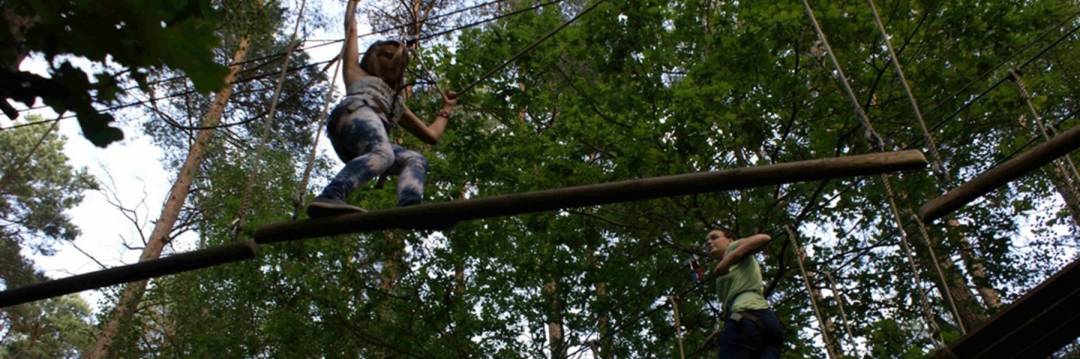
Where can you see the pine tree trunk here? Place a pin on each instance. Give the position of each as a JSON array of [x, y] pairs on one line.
[[556, 337], [133, 293]]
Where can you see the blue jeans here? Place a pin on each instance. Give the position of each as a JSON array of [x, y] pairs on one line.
[[360, 140], [747, 339]]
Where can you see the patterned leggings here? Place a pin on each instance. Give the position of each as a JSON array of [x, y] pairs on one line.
[[360, 140]]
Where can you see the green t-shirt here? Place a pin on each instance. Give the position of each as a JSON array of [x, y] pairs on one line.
[[742, 285]]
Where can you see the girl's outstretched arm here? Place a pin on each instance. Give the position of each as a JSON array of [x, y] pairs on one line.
[[430, 133], [350, 51]]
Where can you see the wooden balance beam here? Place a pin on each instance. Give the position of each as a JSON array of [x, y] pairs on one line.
[[444, 214], [1035, 326], [998, 176]]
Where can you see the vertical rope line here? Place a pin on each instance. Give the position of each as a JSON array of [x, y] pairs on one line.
[[301, 188], [940, 273], [843, 312], [931, 324], [241, 213], [830, 344], [879, 143], [937, 165], [871, 134], [1045, 131], [678, 325]]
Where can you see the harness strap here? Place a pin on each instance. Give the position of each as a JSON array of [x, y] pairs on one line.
[[728, 304], [739, 316]]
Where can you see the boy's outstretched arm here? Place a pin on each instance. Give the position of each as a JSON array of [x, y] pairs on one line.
[[747, 246]]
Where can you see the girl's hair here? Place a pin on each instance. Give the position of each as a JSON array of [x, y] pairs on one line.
[[393, 75]]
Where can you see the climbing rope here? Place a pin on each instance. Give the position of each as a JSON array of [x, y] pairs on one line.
[[831, 344], [843, 312], [1071, 174], [301, 188], [276, 57], [528, 48], [678, 324], [878, 143], [17, 166], [937, 164], [249, 187], [941, 274]]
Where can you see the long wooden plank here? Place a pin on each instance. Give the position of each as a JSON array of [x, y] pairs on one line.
[[435, 215], [183, 262], [1035, 326], [998, 176]]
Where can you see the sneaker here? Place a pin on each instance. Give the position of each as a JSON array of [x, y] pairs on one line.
[[329, 207]]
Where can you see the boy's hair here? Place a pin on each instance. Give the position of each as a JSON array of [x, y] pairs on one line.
[[394, 76], [727, 233]]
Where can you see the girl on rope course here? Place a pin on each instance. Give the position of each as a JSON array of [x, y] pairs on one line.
[[359, 125], [751, 329]]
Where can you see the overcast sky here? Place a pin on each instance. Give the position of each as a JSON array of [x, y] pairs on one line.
[[133, 170]]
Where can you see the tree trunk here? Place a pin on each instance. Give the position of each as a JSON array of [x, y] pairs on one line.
[[393, 268], [133, 293], [17, 26], [556, 337], [604, 325], [967, 306], [977, 270], [1061, 185]]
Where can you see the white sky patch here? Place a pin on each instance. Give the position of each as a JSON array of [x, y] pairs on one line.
[[137, 175]]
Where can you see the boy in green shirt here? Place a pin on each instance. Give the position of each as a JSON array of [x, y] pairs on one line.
[[751, 329]]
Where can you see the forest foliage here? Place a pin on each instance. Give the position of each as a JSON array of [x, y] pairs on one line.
[[633, 89]]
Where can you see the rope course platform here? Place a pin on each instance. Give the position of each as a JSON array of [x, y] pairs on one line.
[[1035, 326], [444, 214], [1001, 175]]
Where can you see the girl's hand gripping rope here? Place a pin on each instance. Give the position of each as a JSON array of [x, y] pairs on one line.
[[449, 102]]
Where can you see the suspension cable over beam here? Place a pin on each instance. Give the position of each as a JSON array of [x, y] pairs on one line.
[[233, 252], [444, 214], [1035, 326], [435, 215], [998, 176]]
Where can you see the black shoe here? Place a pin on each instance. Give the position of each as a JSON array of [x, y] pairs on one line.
[[328, 207]]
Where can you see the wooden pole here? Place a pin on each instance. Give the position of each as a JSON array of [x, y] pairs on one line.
[[1002, 174], [236, 251], [436, 215]]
